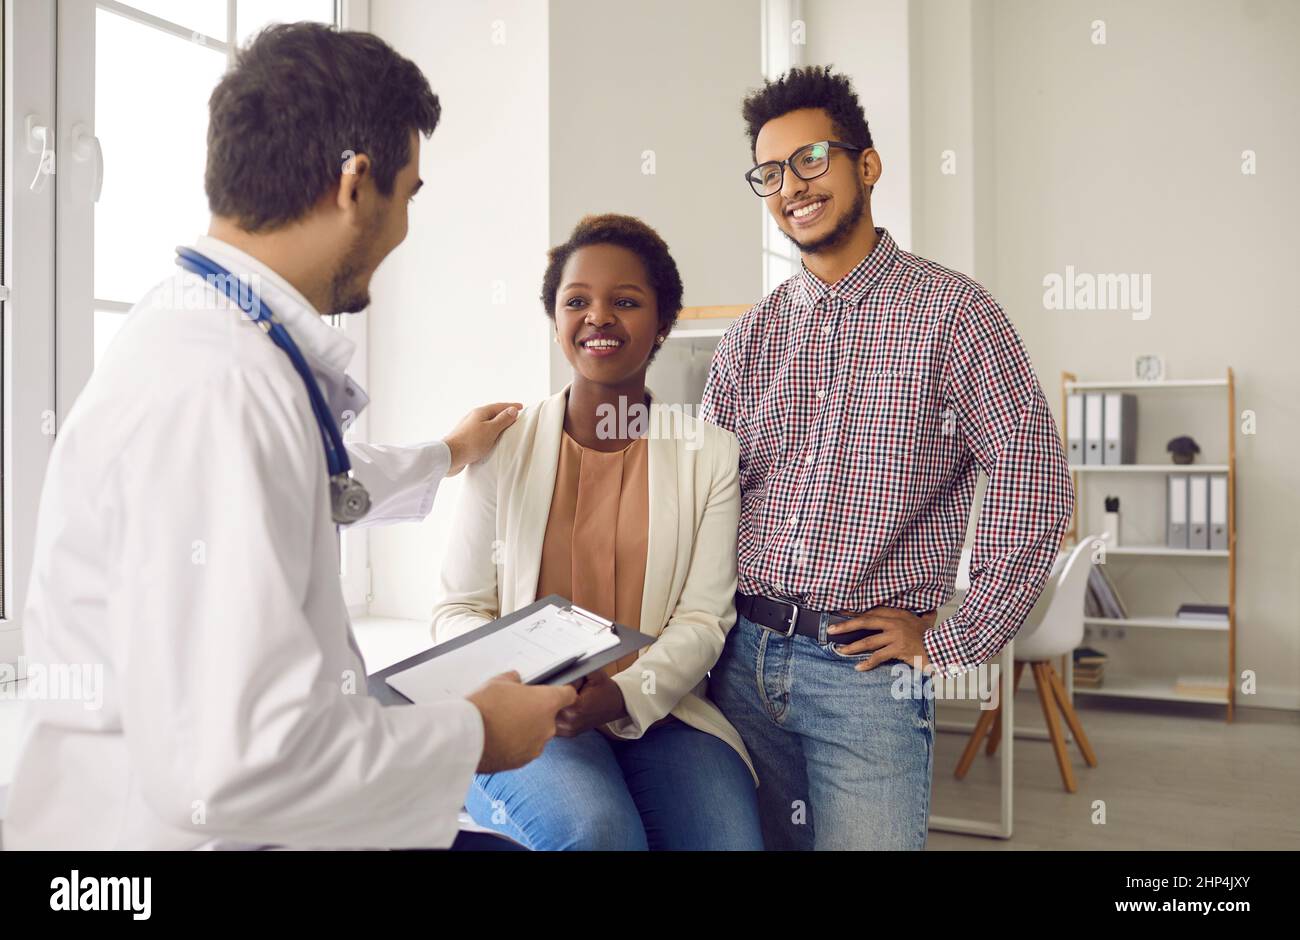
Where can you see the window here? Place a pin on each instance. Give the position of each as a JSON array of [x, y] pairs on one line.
[[4, 296], [781, 22], [27, 373], [153, 134]]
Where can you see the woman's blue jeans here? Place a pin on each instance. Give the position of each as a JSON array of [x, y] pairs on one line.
[[675, 788]]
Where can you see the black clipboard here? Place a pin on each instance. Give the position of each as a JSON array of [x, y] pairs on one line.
[[629, 641]]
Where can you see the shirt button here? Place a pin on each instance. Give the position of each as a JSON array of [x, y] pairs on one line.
[[821, 393], [826, 330], [791, 520], [807, 458], [832, 295]]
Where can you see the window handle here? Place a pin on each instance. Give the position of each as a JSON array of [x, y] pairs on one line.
[[85, 146], [40, 139]]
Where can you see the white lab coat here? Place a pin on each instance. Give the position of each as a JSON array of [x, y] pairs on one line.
[[184, 542]]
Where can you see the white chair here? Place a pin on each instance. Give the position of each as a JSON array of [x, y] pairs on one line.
[[1054, 628]]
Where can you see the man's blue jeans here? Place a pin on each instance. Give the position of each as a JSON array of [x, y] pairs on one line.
[[673, 788], [843, 759]]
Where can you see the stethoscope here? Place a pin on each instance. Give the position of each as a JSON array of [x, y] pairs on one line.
[[349, 501]]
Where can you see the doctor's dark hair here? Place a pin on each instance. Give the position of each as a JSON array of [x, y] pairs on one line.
[[813, 86], [638, 238], [300, 100]]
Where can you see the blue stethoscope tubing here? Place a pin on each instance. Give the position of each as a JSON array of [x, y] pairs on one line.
[[336, 455]]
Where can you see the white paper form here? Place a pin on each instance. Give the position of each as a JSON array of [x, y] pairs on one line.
[[535, 647]]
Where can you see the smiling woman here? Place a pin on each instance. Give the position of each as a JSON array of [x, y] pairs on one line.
[[613, 292], [635, 520]]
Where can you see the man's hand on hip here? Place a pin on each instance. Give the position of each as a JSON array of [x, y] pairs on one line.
[[477, 432], [900, 637]]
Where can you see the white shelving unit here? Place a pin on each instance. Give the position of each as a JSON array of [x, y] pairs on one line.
[[687, 334], [1159, 623], [1164, 550], [1119, 685], [1153, 468], [680, 371]]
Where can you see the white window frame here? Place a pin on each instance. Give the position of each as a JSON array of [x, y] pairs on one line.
[[49, 313], [355, 547], [29, 396], [778, 56]]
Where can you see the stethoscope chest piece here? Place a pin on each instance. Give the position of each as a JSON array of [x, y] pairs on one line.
[[349, 500]]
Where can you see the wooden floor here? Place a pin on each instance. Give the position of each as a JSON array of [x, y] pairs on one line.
[[1171, 775]]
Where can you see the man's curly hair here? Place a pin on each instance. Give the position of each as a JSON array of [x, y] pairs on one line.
[[638, 238], [813, 86]]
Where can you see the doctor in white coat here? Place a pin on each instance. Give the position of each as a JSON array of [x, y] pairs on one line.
[[187, 537]]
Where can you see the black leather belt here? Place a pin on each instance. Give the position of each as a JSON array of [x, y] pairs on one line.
[[787, 618]]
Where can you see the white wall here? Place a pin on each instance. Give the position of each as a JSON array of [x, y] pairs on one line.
[[944, 126], [868, 42], [455, 319], [1126, 158], [667, 77]]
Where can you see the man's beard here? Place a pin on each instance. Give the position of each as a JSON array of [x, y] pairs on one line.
[[349, 292], [345, 295], [840, 233]]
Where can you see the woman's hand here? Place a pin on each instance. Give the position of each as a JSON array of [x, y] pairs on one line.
[[600, 701]]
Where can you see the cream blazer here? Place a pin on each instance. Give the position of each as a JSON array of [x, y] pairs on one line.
[[688, 604]]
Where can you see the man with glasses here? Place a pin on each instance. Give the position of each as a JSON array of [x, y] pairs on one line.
[[867, 392]]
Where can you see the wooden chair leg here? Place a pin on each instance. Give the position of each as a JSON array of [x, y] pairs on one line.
[[1071, 718], [995, 736], [973, 745], [1043, 682]]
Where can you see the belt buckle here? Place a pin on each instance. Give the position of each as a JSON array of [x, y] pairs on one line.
[[794, 619]]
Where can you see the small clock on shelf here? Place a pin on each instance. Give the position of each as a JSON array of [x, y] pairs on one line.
[[1149, 368]]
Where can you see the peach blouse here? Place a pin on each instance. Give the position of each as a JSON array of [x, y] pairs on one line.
[[594, 550]]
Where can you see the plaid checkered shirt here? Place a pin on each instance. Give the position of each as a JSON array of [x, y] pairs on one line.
[[865, 410]]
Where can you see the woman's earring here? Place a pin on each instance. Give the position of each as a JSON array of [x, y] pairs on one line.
[[660, 340]]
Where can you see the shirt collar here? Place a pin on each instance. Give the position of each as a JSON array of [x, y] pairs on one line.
[[853, 286], [326, 349], [320, 343]]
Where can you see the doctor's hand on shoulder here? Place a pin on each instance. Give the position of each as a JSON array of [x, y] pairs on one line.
[[477, 432], [518, 719]]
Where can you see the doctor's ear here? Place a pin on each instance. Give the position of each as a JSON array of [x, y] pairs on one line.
[[355, 168]]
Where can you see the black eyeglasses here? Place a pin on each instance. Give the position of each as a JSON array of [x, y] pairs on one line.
[[808, 162]]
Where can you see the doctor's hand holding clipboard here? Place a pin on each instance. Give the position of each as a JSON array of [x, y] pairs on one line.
[[517, 723]]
